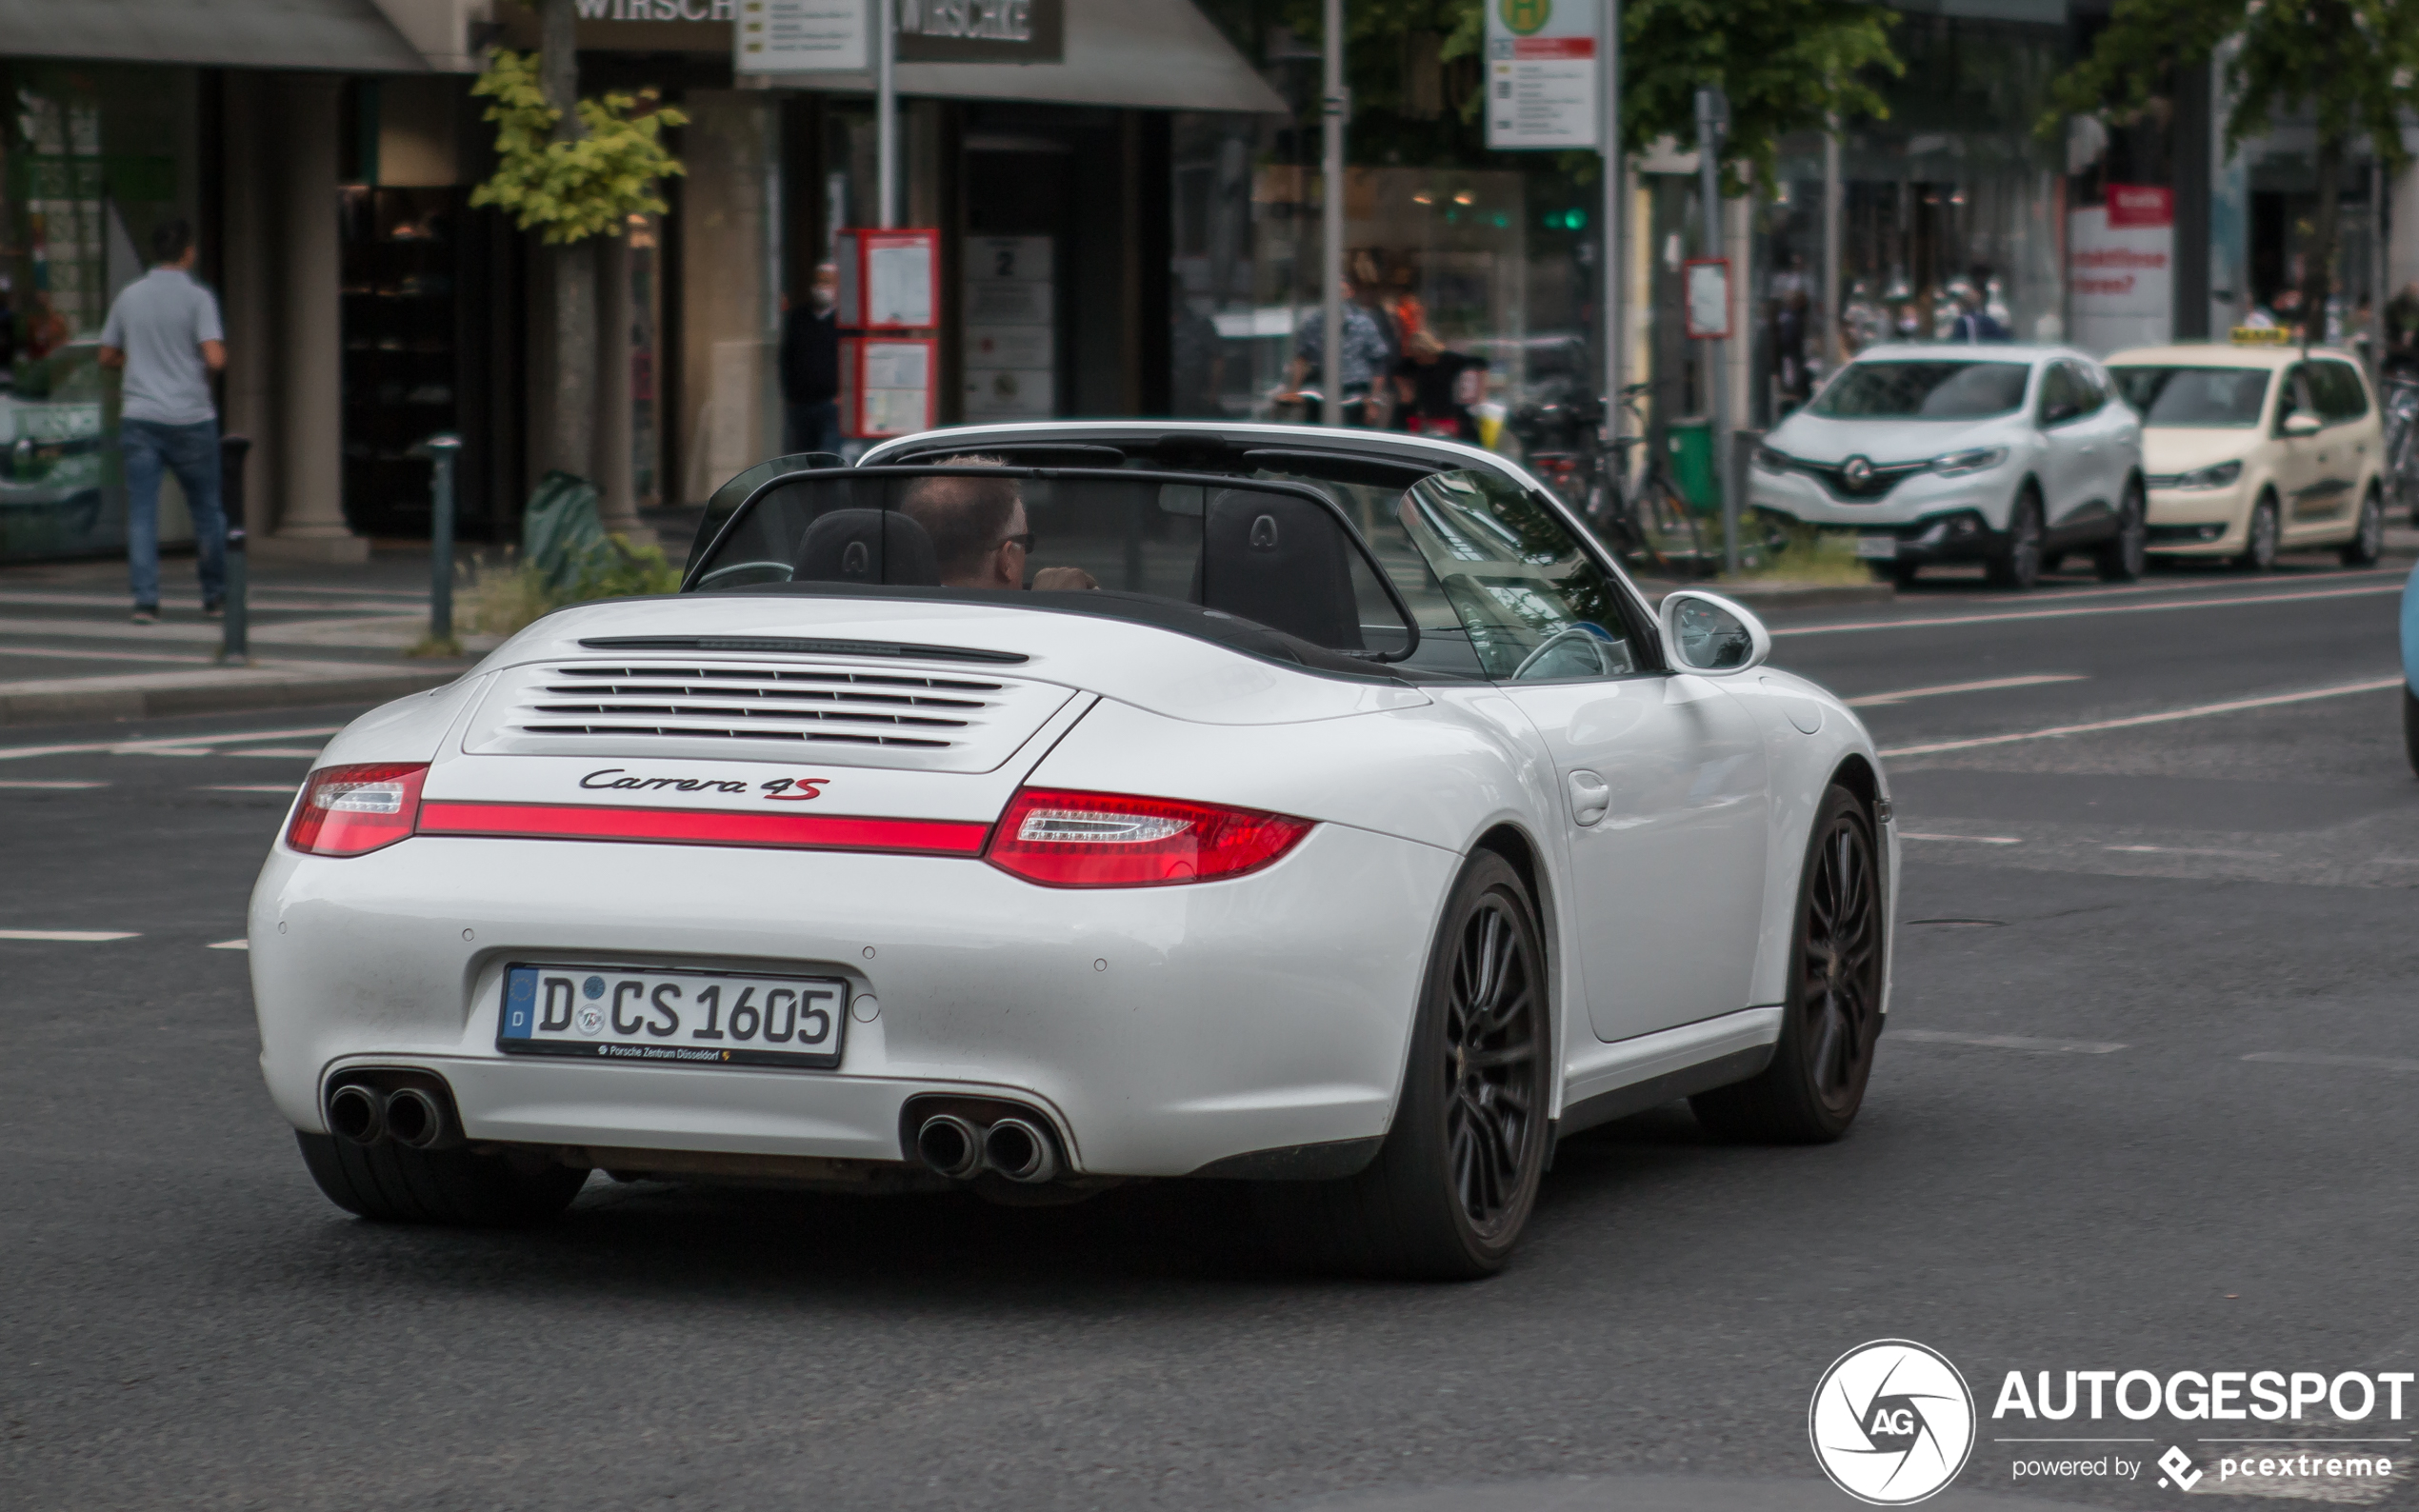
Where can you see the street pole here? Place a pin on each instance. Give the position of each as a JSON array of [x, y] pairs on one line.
[[1615, 267], [1332, 104], [885, 116], [1711, 113], [1833, 344], [234, 649]]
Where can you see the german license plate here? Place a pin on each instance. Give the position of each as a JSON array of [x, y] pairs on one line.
[[672, 1018], [1877, 548]]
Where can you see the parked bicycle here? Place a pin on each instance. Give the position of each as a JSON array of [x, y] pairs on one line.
[[2402, 443], [1649, 522]]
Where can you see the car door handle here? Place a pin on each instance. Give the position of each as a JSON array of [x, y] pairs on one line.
[[1591, 795]]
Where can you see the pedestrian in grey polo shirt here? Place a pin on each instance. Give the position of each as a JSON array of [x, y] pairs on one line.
[[163, 330]]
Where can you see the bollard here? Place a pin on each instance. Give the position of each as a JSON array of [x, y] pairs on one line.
[[441, 449], [234, 648]]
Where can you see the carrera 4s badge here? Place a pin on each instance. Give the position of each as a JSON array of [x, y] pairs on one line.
[[779, 789]]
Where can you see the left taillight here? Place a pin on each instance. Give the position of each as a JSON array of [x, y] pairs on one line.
[[1062, 839], [352, 810]]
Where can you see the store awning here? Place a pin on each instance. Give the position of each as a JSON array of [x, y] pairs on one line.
[[350, 35], [1140, 54]]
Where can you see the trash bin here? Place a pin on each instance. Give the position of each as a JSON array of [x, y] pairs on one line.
[[1691, 463]]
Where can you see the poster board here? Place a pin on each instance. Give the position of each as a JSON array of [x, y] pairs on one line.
[[1542, 68], [889, 280], [885, 386]]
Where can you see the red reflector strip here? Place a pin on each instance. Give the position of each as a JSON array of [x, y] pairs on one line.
[[704, 826]]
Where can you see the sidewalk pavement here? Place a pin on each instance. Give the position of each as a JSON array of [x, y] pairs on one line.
[[318, 635]]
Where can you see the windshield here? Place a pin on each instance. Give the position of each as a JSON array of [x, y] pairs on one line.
[[1463, 574], [2194, 396], [1923, 390]]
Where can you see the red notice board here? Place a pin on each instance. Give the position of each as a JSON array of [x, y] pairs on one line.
[[889, 280]]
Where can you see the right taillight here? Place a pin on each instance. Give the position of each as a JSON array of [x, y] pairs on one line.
[[1062, 839], [352, 810]]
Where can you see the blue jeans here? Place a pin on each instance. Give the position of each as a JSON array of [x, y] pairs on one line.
[[814, 426], [192, 453]]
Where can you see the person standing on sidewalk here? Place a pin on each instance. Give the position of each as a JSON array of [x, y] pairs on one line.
[[810, 368], [163, 334]]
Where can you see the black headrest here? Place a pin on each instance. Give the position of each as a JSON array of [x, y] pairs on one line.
[[866, 546], [1283, 562]]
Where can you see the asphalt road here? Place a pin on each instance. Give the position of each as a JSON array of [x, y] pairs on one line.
[[2145, 1103]]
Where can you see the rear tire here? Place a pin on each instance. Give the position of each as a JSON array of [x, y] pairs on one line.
[[2122, 557], [1808, 1093], [1451, 1189], [394, 1183], [2018, 563], [2410, 728], [2367, 540]]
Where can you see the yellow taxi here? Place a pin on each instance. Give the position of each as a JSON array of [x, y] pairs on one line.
[[2250, 448]]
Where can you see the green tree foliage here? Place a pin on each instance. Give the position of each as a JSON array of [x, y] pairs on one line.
[[1787, 65], [587, 185], [2350, 62]]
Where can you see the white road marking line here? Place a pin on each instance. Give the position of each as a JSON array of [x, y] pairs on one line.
[[60, 786], [1971, 840], [2078, 612], [161, 751], [1885, 700], [2194, 851], [306, 752], [118, 747], [2372, 1063], [2008, 1042], [75, 936], [2199, 711], [229, 945], [246, 787]]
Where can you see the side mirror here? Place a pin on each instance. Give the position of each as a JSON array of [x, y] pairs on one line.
[[2299, 425], [1706, 633]]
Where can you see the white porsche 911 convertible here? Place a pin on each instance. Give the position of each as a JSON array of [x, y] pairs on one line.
[[1032, 809]]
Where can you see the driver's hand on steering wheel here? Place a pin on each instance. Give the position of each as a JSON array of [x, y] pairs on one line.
[[1063, 579]]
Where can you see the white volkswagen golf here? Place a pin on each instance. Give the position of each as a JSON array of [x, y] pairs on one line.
[[1069, 806], [2010, 456]]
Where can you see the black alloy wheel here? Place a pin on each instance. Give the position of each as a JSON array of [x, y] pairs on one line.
[[2122, 557], [2018, 564], [1812, 1087], [2367, 540], [2262, 537], [1452, 1186]]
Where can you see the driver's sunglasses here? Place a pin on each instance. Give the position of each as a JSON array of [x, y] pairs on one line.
[[1023, 541]]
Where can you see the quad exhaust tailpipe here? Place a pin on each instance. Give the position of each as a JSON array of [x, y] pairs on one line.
[[951, 1146], [1015, 1147], [365, 1113], [1020, 1151]]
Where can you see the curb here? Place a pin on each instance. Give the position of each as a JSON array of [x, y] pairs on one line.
[[76, 706]]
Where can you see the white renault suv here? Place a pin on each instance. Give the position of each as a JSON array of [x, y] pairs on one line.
[[2008, 455]]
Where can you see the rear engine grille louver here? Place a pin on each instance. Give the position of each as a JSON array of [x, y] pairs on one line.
[[824, 706]]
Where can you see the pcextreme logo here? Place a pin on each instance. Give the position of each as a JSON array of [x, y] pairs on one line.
[[1527, 16], [1892, 1422]]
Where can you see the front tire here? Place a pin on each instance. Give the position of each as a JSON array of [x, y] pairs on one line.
[[2410, 728], [2263, 536], [2122, 557], [2367, 540], [2018, 564], [1808, 1093], [394, 1183], [1451, 1189]]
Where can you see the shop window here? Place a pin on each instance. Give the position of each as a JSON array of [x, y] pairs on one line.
[[402, 338]]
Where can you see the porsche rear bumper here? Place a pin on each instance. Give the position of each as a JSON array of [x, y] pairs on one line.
[[1163, 1029]]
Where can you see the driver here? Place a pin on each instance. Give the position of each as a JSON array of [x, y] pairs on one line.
[[979, 531]]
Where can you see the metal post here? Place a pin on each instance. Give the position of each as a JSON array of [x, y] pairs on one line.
[[1332, 104], [1615, 267], [234, 648], [441, 449], [885, 115], [1711, 118], [1833, 304]]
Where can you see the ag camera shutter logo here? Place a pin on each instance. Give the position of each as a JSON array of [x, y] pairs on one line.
[[1892, 1422]]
